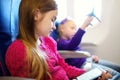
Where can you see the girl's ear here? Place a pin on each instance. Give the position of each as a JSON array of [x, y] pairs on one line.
[[36, 14]]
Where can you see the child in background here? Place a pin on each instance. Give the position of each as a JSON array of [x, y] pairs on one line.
[[70, 39]]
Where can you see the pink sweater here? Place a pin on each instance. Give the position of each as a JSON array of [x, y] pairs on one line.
[[16, 62]]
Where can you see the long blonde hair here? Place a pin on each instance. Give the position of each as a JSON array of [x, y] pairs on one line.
[[37, 63]]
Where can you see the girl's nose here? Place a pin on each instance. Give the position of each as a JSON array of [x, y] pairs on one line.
[[53, 27]]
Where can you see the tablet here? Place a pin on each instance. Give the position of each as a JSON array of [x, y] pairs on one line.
[[90, 75]]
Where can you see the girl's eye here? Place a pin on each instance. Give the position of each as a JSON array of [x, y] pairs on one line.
[[53, 19]]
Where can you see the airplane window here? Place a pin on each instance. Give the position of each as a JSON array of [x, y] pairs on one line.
[[78, 9], [62, 9], [84, 7]]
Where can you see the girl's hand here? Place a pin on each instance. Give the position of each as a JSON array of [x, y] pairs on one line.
[[86, 22], [95, 58], [105, 76]]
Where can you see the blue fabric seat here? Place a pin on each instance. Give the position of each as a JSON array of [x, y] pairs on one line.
[[55, 34], [8, 29]]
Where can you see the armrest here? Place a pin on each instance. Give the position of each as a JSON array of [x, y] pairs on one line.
[[74, 54], [14, 78]]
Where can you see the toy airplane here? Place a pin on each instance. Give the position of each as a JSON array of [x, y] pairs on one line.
[[93, 14]]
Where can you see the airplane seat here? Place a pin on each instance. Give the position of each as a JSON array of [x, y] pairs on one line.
[[55, 33], [8, 29], [90, 47], [14, 78]]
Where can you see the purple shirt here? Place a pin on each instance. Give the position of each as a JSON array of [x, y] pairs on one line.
[[72, 44]]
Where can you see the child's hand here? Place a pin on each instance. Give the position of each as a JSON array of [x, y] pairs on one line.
[[95, 58], [105, 76], [86, 22]]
